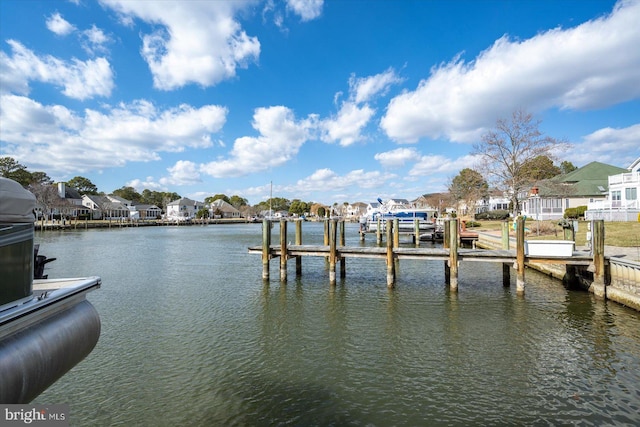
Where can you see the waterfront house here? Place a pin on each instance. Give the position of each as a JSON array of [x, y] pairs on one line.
[[183, 209], [548, 199], [140, 211], [105, 207], [221, 209], [356, 210], [621, 203], [497, 201]]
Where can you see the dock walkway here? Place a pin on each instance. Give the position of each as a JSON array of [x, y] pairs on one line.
[[336, 252]]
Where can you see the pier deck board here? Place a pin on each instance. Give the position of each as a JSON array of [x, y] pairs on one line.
[[483, 255]]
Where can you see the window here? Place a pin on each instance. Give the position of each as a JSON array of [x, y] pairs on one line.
[[615, 198], [631, 193]]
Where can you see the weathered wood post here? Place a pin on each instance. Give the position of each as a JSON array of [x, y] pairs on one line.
[[396, 233], [445, 245], [283, 250], [453, 254], [379, 231], [326, 237], [343, 262], [298, 242], [391, 273], [266, 243], [332, 252], [416, 232], [599, 287], [506, 268], [520, 255]]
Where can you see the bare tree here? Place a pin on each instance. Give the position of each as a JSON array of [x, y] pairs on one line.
[[505, 151], [47, 197]]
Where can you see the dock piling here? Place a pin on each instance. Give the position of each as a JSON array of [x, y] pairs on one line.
[[283, 250], [597, 230], [506, 268], [391, 265], [332, 251], [520, 255], [343, 262], [453, 254], [298, 242], [266, 243]]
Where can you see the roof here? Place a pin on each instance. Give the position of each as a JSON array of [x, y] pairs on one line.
[[184, 201], [591, 179], [223, 206]]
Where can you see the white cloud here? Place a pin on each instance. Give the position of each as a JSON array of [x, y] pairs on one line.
[[149, 183], [182, 173], [437, 164], [347, 125], [66, 142], [364, 89], [281, 137], [326, 179], [608, 145], [197, 42], [79, 79], [306, 9], [355, 113], [94, 40], [398, 157], [593, 65], [57, 24]]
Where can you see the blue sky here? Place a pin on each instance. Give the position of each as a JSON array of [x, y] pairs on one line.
[[331, 101]]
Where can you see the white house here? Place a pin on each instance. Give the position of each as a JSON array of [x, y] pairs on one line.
[[549, 199], [183, 209], [622, 203], [105, 207]]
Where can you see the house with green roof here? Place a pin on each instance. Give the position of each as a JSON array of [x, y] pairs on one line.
[[548, 199], [622, 203]]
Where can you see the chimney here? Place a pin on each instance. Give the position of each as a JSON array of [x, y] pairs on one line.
[[61, 190]]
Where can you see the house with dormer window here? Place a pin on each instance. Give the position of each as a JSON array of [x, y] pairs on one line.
[[621, 203], [548, 199]]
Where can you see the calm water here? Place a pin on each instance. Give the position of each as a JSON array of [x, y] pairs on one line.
[[192, 336]]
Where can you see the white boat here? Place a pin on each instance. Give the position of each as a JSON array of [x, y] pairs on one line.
[[405, 214], [46, 326]]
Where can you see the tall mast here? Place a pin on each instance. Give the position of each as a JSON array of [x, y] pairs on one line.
[[270, 197]]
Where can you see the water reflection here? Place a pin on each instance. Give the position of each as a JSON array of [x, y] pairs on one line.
[[193, 336]]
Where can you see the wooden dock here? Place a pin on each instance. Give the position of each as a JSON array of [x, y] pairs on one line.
[[335, 251]]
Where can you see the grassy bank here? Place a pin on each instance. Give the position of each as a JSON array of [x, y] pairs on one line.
[[624, 234]]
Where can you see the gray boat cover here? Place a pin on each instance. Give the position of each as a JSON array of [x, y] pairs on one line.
[[16, 203]]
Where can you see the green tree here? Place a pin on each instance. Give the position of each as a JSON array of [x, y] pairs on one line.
[[567, 167], [505, 150], [238, 202], [540, 168], [202, 213], [10, 168], [83, 185], [469, 187], [158, 198], [299, 207], [128, 193], [40, 178]]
